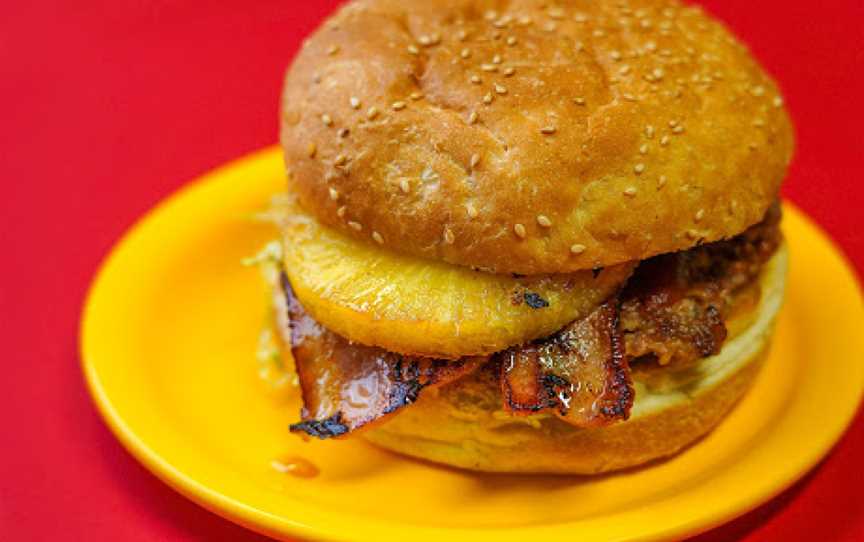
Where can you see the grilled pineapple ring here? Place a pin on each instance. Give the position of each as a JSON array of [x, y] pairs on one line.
[[415, 306]]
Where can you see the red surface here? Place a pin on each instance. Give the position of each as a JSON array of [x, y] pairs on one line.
[[109, 106]]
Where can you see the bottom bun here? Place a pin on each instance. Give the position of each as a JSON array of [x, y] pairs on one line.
[[462, 424]]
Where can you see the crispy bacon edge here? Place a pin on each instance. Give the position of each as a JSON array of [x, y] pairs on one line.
[[553, 373], [327, 363]]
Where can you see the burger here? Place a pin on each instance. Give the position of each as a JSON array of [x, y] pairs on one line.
[[527, 235]]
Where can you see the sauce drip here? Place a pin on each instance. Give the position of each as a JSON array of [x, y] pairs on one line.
[[295, 466]]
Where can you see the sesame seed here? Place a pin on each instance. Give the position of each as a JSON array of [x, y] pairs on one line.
[[758, 90], [629, 97], [429, 174], [475, 159], [580, 17], [624, 70], [550, 27], [664, 140], [658, 73], [425, 41], [693, 234], [556, 13], [500, 89], [489, 67], [700, 214], [377, 237], [599, 33], [649, 131], [465, 53], [678, 129], [472, 117], [462, 35], [416, 96], [476, 79], [577, 248], [340, 212], [525, 20], [544, 221], [340, 160], [639, 168], [356, 226], [398, 106], [616, 55], [579, 101], [511, 41], [548, 130], [404, 185], [343, 132], [325, 118], [471, 210], [413, 50], [372, 112], [643, 149], [496, 59], [334, 194], [449, 238], [673, 123], [650, 46], [311, 150], [355, 102], [510, 70], [778, 101], [661, 181], [519, 230], [487, 99], [579, 46], [333, 49]]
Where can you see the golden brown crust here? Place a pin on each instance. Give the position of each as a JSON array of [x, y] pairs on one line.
[[620, 132]]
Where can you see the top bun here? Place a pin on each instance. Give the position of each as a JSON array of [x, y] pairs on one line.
[[532, 136]]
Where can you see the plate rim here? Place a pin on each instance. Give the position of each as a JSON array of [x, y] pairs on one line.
[[274, 525]]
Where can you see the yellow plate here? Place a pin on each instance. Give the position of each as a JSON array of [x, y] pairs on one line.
[[168, 346]]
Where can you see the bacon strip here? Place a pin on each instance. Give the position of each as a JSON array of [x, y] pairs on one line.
[[674, 307], [580, 372], [347, 386], [669, 318]]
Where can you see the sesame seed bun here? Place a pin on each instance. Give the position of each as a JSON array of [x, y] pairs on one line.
[[532, 139], [462, 424]]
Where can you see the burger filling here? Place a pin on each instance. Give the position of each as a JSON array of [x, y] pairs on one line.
[[673, 311]]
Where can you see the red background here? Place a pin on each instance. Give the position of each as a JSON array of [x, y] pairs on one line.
[[108, 106]]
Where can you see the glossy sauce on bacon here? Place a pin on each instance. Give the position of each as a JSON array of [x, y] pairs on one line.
[[347, 386], [580, 372]]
